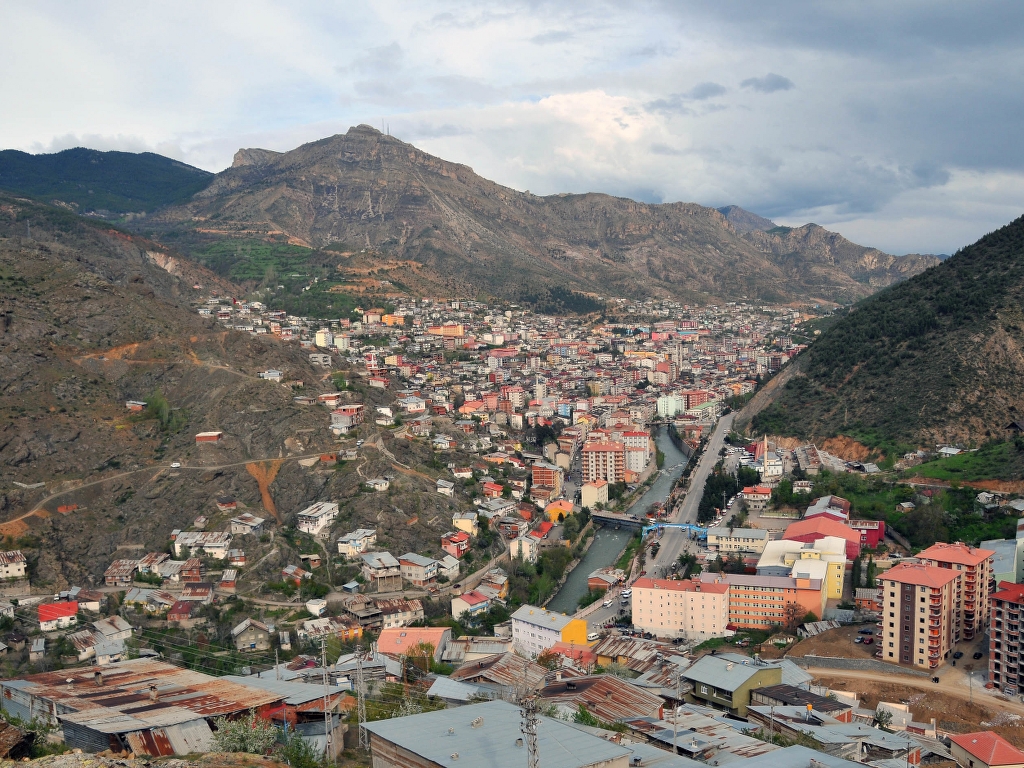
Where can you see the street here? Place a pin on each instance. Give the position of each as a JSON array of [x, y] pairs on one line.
[[674, 541]]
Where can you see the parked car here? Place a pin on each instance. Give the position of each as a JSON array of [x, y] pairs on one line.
[[606, 603], [175, 464], [935, 679], [869, 640], [866, 631], [592, 637], [958, 655], [627, 592], [858, 639], [978, 655]]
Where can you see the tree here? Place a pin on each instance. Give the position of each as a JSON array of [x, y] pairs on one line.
[[855, 572], [883, 717], [250, 734], [872, 571], [792, 616], [549, 660]]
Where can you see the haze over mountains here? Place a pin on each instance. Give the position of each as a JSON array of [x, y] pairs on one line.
[[365, 190]]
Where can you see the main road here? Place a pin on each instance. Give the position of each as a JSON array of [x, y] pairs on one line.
[[674, 541]]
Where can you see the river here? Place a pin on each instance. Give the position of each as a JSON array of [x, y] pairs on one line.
[[608, 542]]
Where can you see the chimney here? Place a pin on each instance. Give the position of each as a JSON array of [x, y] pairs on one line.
[[152, 693], [97, 677]]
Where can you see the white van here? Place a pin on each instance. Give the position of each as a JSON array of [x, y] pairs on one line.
[[592, 637]]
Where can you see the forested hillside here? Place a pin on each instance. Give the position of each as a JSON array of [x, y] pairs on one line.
[[937, 358], [108, 182]]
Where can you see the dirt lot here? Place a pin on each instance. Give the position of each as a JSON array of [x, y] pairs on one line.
[[837, 642], [951, 712]]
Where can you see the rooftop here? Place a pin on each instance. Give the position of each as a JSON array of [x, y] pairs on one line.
[[990, 748], [955, 553], [541, 617], [920, 575]]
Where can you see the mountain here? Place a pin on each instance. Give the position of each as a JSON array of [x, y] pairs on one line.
[[108, 183], [936, 359], [457, 232], [745, 221], [91, 317]]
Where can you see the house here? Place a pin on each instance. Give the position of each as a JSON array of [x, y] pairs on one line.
[[236, 558], [594, 493], [185, 613], [382, 571], [316, 519], [984, 749], [228, 580], [398, 612], [534, 630], [418, 570], [341, 627], [455, 544], [445, 488], [191, 571], [251, 635], [150, 563], [866, 599], [466, 521], [247, 523], [295, 574], [209, 437], [200, 593], [53, 616], [526, 548], [469, 604], [12, 565], [414, 641], [834, 507], [215, 544], [121, 573], [224, 504], [378, 484], [557, 511], [448, 567], [784, 695], [605, 578], [725, 681], [113, 628], [358, 541], [606, 697]]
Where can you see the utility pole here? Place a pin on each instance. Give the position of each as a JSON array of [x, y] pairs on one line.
[[528, 727], [327, 713], [675, 716], [364, 737], [277, 665]]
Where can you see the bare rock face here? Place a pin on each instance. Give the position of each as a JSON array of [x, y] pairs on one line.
[[367, 189]]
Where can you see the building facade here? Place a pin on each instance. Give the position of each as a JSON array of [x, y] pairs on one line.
[[693, 610], [973, 567], [1005, 652], [534, 630], [918, 610]]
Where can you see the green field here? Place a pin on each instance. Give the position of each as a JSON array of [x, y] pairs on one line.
[[993, 461], [250, 259]]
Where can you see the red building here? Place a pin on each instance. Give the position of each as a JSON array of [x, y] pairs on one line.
[[872, 532], [455, 544]]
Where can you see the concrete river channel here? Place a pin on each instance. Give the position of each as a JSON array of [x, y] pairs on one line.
[[609, 542]]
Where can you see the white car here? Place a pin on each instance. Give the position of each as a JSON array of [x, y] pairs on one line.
[[175, 464], [627, 592], [592, 637]]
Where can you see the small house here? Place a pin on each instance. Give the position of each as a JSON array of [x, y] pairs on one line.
[[251, 635]]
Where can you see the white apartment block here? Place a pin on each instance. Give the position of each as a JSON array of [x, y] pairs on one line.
[[692, 610], [316, 519]]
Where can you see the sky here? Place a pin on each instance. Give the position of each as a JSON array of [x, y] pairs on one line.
[[898, 124]]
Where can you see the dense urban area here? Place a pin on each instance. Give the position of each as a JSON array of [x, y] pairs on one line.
[[628, 573]]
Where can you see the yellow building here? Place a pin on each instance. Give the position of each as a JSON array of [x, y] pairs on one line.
[[556, 508], [466, 521], [534, 630], [822, 559]]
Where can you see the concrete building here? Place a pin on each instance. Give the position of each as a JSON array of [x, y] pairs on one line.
[[358, 541], [594, 493], [824, 558], [984, 749], [728, 540], [820, 526], [604, 461], [756, 498], [316, 519], [762, 602], [526, 548], [534, 630], [974, 570], [669, 608], [725, 682], [1005, 651], [918, 613]]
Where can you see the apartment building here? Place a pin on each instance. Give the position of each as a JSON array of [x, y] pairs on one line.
[[729, 540], [694, 610], [534, 630], [821, 559], [757, 497], [973, 590], [1005, 652], [604, 461], [918, 612], [760, 602], [547, 475], [316, 519]]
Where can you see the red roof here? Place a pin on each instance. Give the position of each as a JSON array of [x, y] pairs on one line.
[[53, 611], [826, 526], [920, 575], [990, 748], [956, 553], [473, 597], [398, 641], [1010, 592], [757, 489]]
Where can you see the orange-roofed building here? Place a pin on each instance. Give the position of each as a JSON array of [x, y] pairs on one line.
[[984, 749], [974, 568], [557, 511], [409, 641], [918, 614], [696, 610], [757, 497], [818, 527]]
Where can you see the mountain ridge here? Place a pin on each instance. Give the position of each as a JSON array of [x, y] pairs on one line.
[[370, 191]]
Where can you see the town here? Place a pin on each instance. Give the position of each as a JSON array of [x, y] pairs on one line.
[[624, 578]]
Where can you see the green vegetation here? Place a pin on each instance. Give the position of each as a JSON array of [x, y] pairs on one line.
[[720, 484], [251, 259], [998, 460], [557, 300], [627, 554], [659, 457], [172, 420], [592, 596], [903, 363], [117, 182]]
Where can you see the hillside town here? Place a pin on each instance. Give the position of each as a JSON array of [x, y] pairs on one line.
[[717, 630]]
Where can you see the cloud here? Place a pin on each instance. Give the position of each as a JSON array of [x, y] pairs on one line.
[[706, 91], [555, 36], [770, 83], [679, 103]]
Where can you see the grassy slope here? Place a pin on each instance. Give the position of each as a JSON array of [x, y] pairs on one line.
[[1000, 461], [935, 358], [118, 182]]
